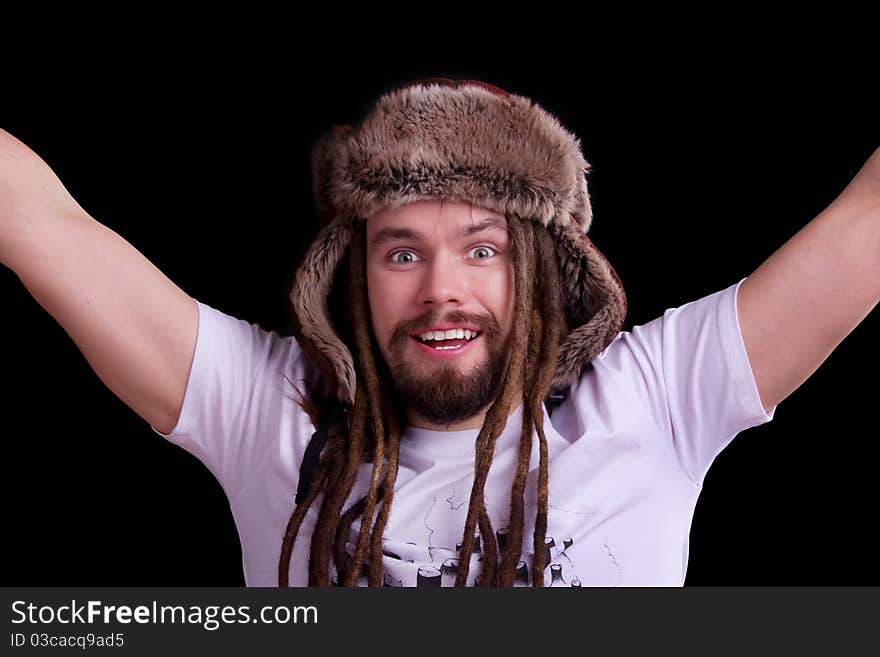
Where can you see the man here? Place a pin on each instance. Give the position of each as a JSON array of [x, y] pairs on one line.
[[439, 454]]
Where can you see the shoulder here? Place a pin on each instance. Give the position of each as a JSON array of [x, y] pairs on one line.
[[627, 382]]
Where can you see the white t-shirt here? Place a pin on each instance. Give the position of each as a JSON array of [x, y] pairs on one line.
[[629, 449]]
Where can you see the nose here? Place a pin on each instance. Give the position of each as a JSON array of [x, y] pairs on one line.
[[443, 281]]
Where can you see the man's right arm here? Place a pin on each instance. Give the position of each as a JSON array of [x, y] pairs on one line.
[[136, 328]]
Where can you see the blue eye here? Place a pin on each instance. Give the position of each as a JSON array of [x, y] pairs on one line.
[[485, 248], [400, 262]]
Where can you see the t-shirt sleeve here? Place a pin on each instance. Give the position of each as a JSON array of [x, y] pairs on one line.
[[687, 380], [233, 395]]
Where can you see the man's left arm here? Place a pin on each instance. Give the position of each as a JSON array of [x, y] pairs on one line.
[[814, 290]]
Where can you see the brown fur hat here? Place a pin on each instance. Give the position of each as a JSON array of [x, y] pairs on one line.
[[460, 140]]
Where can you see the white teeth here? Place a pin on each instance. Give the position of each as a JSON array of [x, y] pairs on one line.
[[451, 334]]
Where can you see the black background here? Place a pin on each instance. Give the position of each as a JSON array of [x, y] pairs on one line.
[[704, 162]]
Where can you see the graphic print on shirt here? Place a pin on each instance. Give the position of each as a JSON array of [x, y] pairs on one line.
[[432, 560], [449, 509], [603, 567]]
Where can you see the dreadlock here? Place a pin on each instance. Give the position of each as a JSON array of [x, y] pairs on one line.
[[371, 433]]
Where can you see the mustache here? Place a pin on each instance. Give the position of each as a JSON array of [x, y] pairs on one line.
[[487, 324]]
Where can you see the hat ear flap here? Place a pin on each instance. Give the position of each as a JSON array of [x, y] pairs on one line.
[[595, 303], [309, 298]]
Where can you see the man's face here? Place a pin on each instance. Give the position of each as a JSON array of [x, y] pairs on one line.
[[434, 266]]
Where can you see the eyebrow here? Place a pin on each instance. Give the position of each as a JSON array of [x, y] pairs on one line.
[[391, 233]]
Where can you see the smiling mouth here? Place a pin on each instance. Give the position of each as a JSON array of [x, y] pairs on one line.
[[451, 345]]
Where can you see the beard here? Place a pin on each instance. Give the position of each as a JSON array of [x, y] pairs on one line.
[[444, 395]]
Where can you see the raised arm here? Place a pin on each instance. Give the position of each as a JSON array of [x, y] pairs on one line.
[[814, 290], [135, 327]]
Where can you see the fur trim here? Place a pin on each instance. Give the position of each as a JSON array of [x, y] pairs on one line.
[[457, 140]]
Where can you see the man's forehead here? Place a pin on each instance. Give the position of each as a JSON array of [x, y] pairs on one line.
[[418, 223]]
